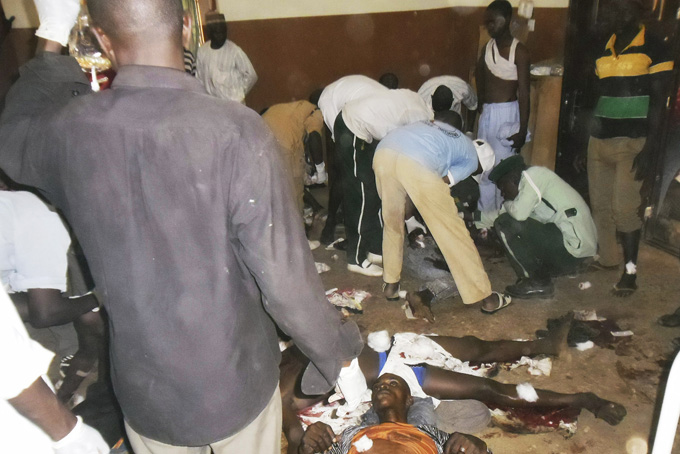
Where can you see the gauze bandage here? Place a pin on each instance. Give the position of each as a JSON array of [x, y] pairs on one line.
[[352, 383], [379, 341], [527, 392]]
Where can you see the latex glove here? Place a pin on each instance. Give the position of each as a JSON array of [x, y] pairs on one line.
[[57, 18], [352, 383], [83, 439]]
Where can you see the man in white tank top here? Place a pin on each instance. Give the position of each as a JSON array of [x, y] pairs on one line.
[[503, 92]]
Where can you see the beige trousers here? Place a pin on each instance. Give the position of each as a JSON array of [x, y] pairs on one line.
[[614, 193], [398, 177], [297, 167], [263, 435]]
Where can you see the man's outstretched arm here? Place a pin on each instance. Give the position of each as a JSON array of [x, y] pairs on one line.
[[274, 247], [47, 82]]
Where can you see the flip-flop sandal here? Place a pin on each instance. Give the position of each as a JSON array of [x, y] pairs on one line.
[[503, 301], [394, 297]]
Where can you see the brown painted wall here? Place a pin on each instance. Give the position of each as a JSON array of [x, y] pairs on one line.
[[294, 56], [15, 50]]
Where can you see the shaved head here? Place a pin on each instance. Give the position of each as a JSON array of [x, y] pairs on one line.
[[133, 20], [502, 7], [442, 98]]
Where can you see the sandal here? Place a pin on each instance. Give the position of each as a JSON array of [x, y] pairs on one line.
[[625, 287], [503, 301], [392, 296]]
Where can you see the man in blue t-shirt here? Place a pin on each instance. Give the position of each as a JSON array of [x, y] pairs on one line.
[[421, 161]]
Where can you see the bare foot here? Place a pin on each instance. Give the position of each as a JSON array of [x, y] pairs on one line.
[[420, 304], [494, 302], [610, 412], [557, 337]]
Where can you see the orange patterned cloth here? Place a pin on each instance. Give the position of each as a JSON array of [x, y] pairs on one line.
[[406, 438]]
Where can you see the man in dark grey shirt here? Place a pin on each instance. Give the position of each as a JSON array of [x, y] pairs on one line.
[[186, 220]]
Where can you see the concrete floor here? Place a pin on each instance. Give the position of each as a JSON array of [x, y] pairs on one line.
[[631, 374]]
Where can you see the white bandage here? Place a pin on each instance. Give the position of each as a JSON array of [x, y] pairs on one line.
[[631, 268], [57, 18], [527, 392], [379, 341], [363, 444], [352, 383]]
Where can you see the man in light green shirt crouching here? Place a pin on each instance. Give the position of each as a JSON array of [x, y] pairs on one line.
[[544, 225]]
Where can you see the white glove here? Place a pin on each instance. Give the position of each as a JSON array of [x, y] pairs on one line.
[[352, 383], [57, 18], [83, 439]]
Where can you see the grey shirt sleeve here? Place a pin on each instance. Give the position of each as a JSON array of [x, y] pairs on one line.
[[47, 83], [273, 245]]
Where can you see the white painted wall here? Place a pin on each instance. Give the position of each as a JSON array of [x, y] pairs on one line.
[[237, 10]]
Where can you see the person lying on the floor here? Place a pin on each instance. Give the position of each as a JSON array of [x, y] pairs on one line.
[[446, 384], [544, 225], [393, 434]]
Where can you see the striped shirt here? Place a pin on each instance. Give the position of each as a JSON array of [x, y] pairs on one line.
[[625, 85], [189, 62]]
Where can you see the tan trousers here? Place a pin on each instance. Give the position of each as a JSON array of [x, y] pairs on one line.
[[398, 177], [614, 193], [297, 166], [263, 435]]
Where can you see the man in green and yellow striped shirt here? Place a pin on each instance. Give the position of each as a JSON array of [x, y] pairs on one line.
[[632, 69]]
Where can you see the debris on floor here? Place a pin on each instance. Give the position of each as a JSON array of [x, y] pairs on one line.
[[348, 299]]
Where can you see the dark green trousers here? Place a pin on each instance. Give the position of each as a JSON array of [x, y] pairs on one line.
[[534, 249], [360, 203]]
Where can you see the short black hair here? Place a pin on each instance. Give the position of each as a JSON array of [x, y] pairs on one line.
[[126, 19], [389, 80], [502, 7], [315, 95], [442, 98]]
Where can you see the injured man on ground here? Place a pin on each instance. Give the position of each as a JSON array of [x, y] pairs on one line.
[[433, 367], [394, 432]]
